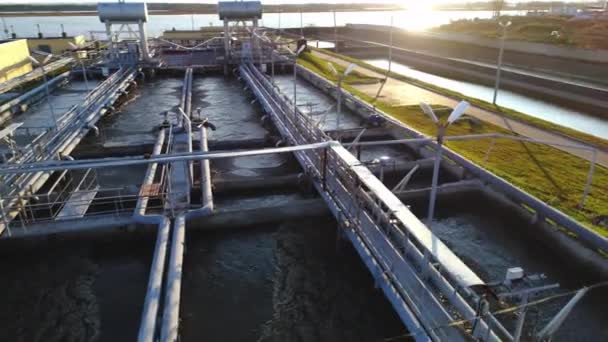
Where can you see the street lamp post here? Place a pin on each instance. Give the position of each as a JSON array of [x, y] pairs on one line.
[[383, 162], [340, 77], [441, 128], [46, 84], [335, 34], [301, 24], [390, 61], [84, 70], [295, 77], [504, 27]]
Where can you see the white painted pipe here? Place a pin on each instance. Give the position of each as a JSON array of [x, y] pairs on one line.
[[147, 326], [206, 192], [170, 324], [142, 202]]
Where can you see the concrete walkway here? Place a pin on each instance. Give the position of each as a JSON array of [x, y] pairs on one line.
[[398, 92]]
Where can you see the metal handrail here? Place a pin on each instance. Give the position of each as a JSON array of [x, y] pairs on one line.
[[375, 207]]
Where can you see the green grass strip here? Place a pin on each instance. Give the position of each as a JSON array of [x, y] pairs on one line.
[[508, 159], [507, 112]]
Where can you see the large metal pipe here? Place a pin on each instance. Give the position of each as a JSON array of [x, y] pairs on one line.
[[170, 324], [54, 165], [147, 326], [143, 41], [206, 193], [142, 202]]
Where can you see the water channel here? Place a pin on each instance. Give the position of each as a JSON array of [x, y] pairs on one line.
[[537, 108]]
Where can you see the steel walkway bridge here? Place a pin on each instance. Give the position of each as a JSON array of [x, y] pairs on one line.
[[428, 285], [54, 142]]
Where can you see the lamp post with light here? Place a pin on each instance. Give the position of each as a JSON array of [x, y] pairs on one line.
[[340, 77], [457, 112], [46, 84], [74, 49]]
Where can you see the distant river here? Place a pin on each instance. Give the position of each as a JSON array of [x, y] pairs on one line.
[[406, 19]]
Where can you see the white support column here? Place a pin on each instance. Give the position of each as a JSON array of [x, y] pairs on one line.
[[226, 46], [143, 37], [110, 38]]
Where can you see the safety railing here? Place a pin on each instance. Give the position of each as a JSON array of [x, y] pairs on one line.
[[45, 206], [15, 188], [432, 282]]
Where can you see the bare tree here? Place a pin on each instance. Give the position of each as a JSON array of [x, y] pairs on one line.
[[498, 6]]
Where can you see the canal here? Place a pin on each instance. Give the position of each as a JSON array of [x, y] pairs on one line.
[[543, 110]]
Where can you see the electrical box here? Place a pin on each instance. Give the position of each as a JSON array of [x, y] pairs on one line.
[[514, 273]]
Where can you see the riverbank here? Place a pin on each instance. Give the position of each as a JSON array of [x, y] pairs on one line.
[[567, 132], [588, 33], [553, 175]]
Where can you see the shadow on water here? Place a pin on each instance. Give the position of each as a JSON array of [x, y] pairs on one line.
[[67, 290], [491, 238], [271, 283], [286, 283]]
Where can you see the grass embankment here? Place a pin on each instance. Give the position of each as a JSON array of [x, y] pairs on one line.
[[507, 112], [560, 30], [554, 176]]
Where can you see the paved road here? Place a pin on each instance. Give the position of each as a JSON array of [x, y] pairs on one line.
[[402, 93]]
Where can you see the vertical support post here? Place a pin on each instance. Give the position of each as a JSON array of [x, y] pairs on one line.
[[339, 106], [499, 65], [143, 41], [295, 92], [272, 64], [325, 168], [435, 180], [301, 24], [110, 39], [335, 34], [519, 327], [390, 61], [84, 75], [589, 179], [226, 46], [48, 95], [5, 221], [390, 47]]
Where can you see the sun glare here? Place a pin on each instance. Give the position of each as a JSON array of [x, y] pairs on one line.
[[419, 6]]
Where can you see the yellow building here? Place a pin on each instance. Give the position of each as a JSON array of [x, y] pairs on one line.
[[54, 45], [14, 60]]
